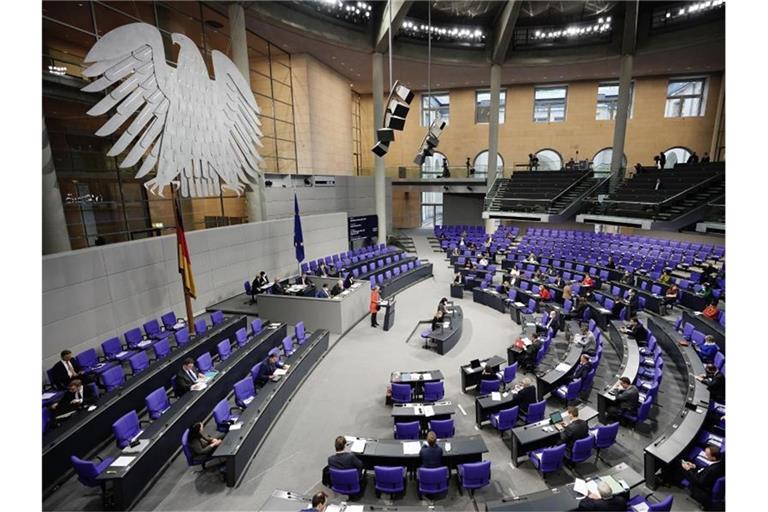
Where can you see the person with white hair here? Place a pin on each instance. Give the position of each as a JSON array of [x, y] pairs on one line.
[[604, 499]]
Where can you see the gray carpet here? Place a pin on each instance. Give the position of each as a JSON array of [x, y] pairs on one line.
[[345, 395]]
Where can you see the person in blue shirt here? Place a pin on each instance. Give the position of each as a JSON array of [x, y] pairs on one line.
[[708, 350], [323, 292], [431, 454], [318, 503], [267, 370]]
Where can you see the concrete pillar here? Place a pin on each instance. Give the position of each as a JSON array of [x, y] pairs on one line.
[[55, 234], [379, 179], [493, 131], [620, 126], [719, 128], [256, 204]]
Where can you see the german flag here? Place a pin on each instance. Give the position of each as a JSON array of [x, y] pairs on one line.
[[185, 264]]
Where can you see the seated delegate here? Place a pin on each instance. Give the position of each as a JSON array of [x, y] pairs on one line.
[[586, 339], [636, 330], [323, 292], [627, 396], [269, 366], [344, 459], [715, 382], [337, 288], [431, 454], [73, 399], [319, 500], [187, 377], [574, 428], [65, 370], [603, 499]]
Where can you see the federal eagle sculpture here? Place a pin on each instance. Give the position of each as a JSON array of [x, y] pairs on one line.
[[200, 135]]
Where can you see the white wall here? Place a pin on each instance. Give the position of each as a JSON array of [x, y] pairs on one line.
[[93, 294]]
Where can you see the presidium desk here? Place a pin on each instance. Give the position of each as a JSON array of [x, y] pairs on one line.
[[445, 336]]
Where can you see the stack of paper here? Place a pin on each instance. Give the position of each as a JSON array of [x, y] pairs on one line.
[[580, 486], [121, 462], [358, 446], [236, 426], [280, 372], [562, 367], [447, 447], [411, 448], [199, 386], [429, 411], [427, 376], [496, 396]]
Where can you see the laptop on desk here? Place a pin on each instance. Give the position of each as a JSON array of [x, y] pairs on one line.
[[475, 363]]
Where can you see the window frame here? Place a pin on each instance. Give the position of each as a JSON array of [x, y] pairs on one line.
[[616, 109], [537, 88], [428, 109], [502, 105], [702, 96]]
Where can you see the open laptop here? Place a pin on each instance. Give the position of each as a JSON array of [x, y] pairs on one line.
[[555, 418], [475, 363]]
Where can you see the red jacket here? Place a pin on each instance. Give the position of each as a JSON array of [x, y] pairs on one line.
[[374, 301]]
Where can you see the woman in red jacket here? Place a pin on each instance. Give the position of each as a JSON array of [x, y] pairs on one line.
[[374, 306]]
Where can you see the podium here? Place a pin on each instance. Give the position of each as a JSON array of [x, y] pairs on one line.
[[389, 313], [457, 291]]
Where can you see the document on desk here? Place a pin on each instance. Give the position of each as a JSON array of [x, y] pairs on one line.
[[199, 386], [640, 507], [580, 486], [411, 448], [446, 325], [358, 446], [563, 367], [280, 372], [46, 396], [496, 396], [592, 487], [429, 411], [121, 462], [236, 426], [427, 376], [616, 487], [121, 354], [519, 304], [143, 344], [143, 443], [353, 508]]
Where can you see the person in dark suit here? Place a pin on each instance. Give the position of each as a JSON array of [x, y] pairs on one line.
[[268, 367], [322, 269], [318, 502], [442, 305], [575, 429], [201, 444], [343, 459], [603, 500], [348, 281], [610, 263], [526, 395], [715, 382], [631, 302], [458, 278], [187, 377], [323, 292], [65, 370], [583, 368], [529, 358], [636, 330], [558, 283], [626, 400], [260, 281], [437, 320], [431, 454], [701, 481], [337, 288], [277, 288], [74, 398], [304, 280]]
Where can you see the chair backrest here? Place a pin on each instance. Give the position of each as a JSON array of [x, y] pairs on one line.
[[168, 319], [182, 336], [644, 409], [510, 372], [489, 386], [244, 392], [241, 336], [432, 480], [664, 505], [87, 358], [609, 303], [407, 430], [434, 391], [567, 306], [288, 345], [582, 449], [552, 458], [113, 378], [442, 428], [139, 362], [574, 387], [217, 317], [345, 481], [247, 287], [301, 334], [256, 370], [86, 471], [389, 478], [508, 418], [224, 348], [476, 474], [719, 360], [401, 392], [157, 403], [111, 347], [125, 428], [204, 362], [536, 412], [718, 491], [200, 326], [221, 415], [133, 337], [151, 327], [187, 450], [162, 348], [256, 326]]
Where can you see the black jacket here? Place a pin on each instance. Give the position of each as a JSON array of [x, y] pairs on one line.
[[639, 333], [431, 456], [615, 503], [183, 382], [344, 460], [575, 430], [581, 370], [59, 373], [336, 290], [525, 397], [201, 446], [703, 480], [626, 399], [716, 385]]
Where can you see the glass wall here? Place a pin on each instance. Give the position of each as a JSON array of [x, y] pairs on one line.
[[102, 202]]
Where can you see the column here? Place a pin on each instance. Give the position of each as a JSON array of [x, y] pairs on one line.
[[256, 204], [718, 132], [379, 180], [55, 234], [620, 127], [493, 132]]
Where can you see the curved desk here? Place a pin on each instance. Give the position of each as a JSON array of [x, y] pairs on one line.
[[127, 483], [240, 446], [629, 352], [392, 452], [557, 376], [706, 326], [86, 430], [447, 337], [676, 440]]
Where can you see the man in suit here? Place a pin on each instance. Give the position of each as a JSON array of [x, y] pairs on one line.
[[267, 370], [458, 278], [626, 400], [343, 459], [583, 368], [586, 339], [431, 454], [603, 500], [277, 288], [636, 330], [187, 377], [337, 288], [323, 292], [74, 398], [575, 429], [715, 382], [708, 350], [631, 302], [260, 281], [701, 481], [529, 358], [304, 280], [65, 370], [526, 395], [318, 502]]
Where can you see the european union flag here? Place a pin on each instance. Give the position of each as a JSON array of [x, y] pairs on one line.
[[298, 237]]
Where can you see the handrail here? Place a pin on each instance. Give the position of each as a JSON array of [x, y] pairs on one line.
[[572, 185], [716, 176]]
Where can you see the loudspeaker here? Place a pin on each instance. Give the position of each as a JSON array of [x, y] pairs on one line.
[[394, 122], [385, 135], [419, 159], [380, 148], [403, 92], [398, 108], [432, 141]]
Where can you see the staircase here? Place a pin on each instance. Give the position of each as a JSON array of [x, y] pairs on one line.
[[569, 197], [693, 201], [404, 242]]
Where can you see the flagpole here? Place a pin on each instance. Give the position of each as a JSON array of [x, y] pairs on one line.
[[187, 298]]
